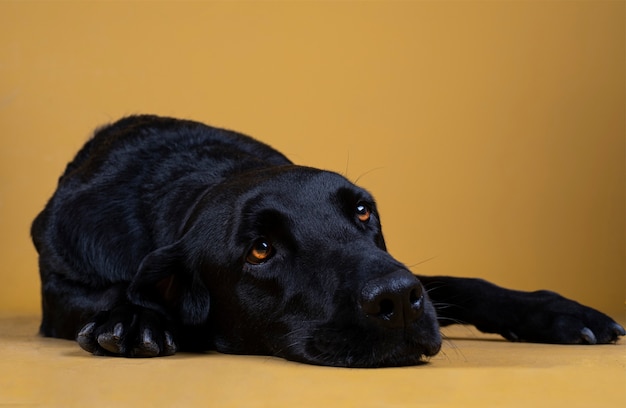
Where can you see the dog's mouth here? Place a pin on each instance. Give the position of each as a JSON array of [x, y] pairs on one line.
[[359, 346], [394, 349]]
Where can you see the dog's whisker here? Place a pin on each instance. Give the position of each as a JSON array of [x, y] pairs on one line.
[[452, 346], [421, 262], [356, 181], [449, 319], [431, 288], [442, 306]]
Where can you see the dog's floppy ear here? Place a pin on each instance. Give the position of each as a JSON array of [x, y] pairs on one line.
[[165, 282]]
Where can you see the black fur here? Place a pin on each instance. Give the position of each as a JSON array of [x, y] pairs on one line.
[[168, 235]]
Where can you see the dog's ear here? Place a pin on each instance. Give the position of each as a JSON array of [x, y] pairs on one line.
[[165, 282]]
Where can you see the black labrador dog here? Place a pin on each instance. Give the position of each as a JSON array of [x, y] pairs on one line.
[[167, 234]]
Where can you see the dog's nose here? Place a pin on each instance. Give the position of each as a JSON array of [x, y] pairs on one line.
[[393, 300]]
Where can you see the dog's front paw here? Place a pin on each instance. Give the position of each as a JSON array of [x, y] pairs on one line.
[[128, 331], [555, 319]]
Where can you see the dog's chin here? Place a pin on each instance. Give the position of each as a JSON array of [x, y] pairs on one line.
[[391, 350], [392, 357]]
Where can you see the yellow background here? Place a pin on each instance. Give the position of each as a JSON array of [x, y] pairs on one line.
[[491, 133]]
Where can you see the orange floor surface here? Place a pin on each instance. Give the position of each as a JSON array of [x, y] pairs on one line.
[[473, 370]]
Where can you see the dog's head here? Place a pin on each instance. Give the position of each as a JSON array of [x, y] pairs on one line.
[[290, 261]]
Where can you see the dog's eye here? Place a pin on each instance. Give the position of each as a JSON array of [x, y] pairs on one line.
[[260, 252], [363, 212]]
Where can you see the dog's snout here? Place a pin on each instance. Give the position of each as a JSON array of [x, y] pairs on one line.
[[394, 300]]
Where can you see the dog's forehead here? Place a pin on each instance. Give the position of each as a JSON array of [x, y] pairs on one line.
[[304, 186]]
